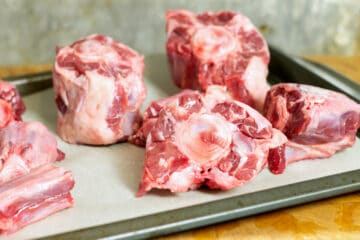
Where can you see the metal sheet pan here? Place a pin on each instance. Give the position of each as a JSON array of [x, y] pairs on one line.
[[222, 210], [282, 68]]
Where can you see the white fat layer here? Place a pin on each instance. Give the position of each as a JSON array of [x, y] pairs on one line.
[[243, 22], [37, 182], [278, 139], [216, 94], [329, 110], [255, 80], [223, 179], [162, 162], [128, 122], [93, 51], [295, 151], [181, 181], [14, 165], [88, 118], [43, 148]]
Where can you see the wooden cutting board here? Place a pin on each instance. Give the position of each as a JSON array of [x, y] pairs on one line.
[[336, 218]]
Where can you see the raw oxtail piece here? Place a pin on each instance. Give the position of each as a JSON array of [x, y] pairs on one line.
[[99, 89], [218, 48], [206, 139], [11, 104], [317, 122], [32, 197], [25, 146]]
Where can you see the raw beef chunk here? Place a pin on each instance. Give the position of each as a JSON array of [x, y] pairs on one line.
[[150, 116], [11, 104], [25, 146], [318, 122], [44, 191], [218, 48], [206, 139], [98, 90]]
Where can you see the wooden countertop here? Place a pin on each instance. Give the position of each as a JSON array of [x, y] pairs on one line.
[[335, 218]]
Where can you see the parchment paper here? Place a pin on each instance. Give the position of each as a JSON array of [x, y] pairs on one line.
[[107, 178]]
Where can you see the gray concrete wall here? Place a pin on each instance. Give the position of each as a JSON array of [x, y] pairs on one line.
[[30, 30]]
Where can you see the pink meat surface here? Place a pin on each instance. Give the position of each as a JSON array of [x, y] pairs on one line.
[[318, 122], [150, 117], [44, 191], [205, 139], [99, 89], [11, 104], [25, 146], [218, 48]]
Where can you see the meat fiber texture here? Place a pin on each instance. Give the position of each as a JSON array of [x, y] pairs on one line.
[[25, 146], [206, 139], [45, 190], [11, 104], [150, 117], [218, 48], [99, 89], [31, 187], [318, 122]]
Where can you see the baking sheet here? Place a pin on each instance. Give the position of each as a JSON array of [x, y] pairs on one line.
[[107, 178]]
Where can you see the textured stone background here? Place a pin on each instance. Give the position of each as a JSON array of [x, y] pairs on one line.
[[30, 30]]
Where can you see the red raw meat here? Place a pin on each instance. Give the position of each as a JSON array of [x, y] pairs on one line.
[[218, 48], [205, 139], [150, 116], [11, 104], [25, 146], [98, 90], [30, 198], [318, 122]]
